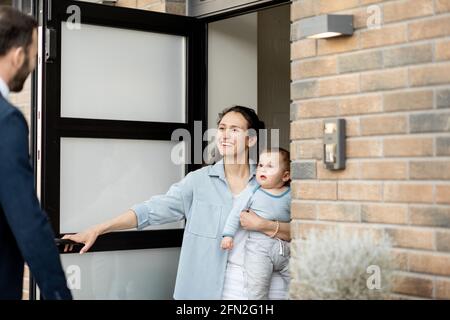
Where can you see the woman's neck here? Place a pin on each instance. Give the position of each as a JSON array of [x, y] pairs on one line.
[[236, 170]]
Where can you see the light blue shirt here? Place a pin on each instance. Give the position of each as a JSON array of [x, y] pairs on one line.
[[263, 203], [202, 198], [4, 89]]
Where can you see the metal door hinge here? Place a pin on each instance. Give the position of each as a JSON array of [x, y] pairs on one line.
[[50, 45]]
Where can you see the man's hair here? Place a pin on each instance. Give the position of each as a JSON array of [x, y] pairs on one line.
[[284, 155], [16, 29]]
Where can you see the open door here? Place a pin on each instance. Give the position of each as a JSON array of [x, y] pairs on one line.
[[114, 84]]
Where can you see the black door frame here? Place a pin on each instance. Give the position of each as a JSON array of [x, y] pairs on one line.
[[54, 127]]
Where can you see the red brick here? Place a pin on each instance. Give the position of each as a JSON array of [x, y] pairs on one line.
[[327, 6], [443, 194], [415, 193], [384, 170], [437, 264], [387, 35], [442, 51], [433, 216], [426, 170], [306, 129], [408, 100], [304, 8], [337, 45], [364, 148], [314, 190], [360, 105], [316, 109], [339, 212], [412, 285], [430, 28], [351, 171], [338, 85], [442, 290], [385, 79], [408, 147], [384, 213], [306, 150], [303, 49], [430, 75], [400, 259], [410, 238], [314, 68], [385, 124], [360, 191], [300, 210], [402, 10], [442, 6], [352, 127], [443, 241]]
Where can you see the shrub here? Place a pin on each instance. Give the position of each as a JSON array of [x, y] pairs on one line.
[[336, 264]]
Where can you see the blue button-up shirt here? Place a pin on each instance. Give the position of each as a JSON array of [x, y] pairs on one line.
[[205, 201]]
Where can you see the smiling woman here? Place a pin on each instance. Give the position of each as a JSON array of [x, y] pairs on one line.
[[204, 198]]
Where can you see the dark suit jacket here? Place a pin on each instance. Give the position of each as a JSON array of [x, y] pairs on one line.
[[25, 232]]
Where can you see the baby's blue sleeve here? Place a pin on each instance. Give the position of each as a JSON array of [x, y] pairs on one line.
[[233, 221]]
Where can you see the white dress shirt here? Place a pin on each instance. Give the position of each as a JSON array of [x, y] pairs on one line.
[[4, 89]]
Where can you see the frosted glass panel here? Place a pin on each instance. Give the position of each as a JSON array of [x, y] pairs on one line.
[[102, 178], [120, 74], [135, 274]]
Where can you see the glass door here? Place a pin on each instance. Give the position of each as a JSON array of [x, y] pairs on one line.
[[114, 85]]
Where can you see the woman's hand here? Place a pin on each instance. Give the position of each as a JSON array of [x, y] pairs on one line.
[[87, 237], [251, 221]]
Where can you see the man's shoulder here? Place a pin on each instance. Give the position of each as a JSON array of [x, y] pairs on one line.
[[8, 113]]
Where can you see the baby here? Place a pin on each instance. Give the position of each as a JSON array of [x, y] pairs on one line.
[[271, 200]]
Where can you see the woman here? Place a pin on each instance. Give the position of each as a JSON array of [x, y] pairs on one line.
[[204, 198]]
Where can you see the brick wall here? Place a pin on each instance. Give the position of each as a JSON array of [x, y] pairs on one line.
[[392, 85]]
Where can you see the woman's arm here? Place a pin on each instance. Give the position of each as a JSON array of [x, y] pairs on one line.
[[128, 220], [251, 221], [159, 209]]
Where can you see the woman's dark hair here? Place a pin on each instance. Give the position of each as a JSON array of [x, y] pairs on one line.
[[253, 125], [249, 114], [16, 29]]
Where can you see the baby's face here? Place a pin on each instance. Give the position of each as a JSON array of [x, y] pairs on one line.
[[270, 172]]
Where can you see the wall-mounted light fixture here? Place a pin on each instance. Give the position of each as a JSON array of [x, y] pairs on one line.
[[326, 26]]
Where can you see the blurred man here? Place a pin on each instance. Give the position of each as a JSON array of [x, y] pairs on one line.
[[25, 233]]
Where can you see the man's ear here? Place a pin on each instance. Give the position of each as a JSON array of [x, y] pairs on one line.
[[252, 141], [17, 57]]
